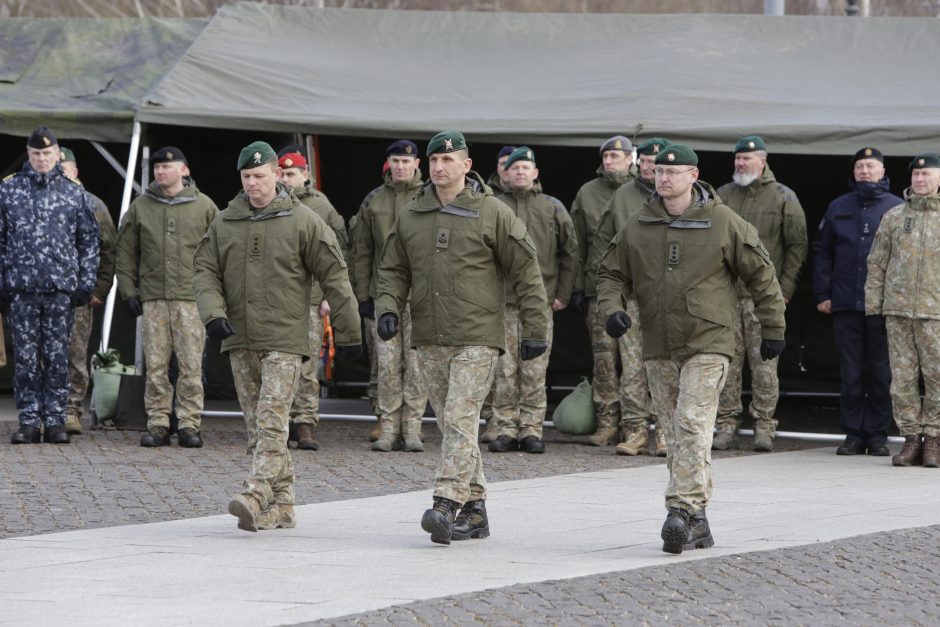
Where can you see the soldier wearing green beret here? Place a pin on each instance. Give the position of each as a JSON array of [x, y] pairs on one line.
[[81, 326], [453, 279], [254, 270], [903, 285], [773, 208], [680, 256]]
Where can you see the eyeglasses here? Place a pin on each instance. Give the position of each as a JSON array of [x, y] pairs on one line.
[[665, 174]]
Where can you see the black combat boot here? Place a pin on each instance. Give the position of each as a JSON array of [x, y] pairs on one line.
[[504, 444], [531, 444], [439, 520], [56, 435], [675, 533], [189, 438], [156, 436], [25, 435], [471, 522], [700, 536]]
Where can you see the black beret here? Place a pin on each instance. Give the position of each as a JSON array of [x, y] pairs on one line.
[[868, 153], [403, 147], [167, 154], [42, 137], [505, 151]]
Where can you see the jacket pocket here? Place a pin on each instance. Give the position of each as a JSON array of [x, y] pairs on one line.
[[472, 294], [701, 306]]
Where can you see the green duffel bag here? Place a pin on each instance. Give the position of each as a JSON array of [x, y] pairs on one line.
[[108, 371], [575, 413]]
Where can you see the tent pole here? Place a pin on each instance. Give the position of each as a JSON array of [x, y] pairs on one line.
[[313, 149], [114, 162]]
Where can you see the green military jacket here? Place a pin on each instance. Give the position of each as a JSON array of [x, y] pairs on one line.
[[552, 232], [495, 184], [452, 258], [586, 211], [107, 239], [156, 241], [321, 205], [256, 267], [904, 262], [682, 272], [378, 213], [775, 211]]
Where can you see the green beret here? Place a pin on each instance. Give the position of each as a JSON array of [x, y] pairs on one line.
[[254, 155], [617, 142], [750, 143], [677, 154], [522, 153], [652, 146], [925, 160], [66, 154], [447, 141]]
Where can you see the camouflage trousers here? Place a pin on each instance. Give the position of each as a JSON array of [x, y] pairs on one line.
[[519, 399], [40, 325], [914, 350], [265, 382], [168, 327], [458, 378], [686, 396], [402, 393], [765, 388], [629, 402], [306, 407], [78, 360], [371, 337]]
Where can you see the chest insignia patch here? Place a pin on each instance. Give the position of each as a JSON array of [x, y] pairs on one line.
[[673, 258], [443, 238]]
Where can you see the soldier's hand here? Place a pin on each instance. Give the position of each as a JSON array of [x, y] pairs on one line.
[[387, 326], [79, 298], [347, 353], [578, 302], [219, 329], [95, 301], [134, 306], [530, 349], [367, 309], [771, 348], [618, 323]]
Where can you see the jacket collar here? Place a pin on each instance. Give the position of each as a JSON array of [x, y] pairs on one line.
[[240, 208]]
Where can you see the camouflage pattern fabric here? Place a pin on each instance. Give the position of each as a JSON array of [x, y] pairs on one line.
[[519, 400], [458, 377], [402, 394], [914, 350], [604, 382], [39, 325], [173, 326], [372, 339], [635, 404], [265, 382], [765, 387], [306, 406], [78, 360], [685, 395]]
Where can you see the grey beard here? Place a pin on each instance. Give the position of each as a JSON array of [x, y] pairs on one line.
[[743, 179]]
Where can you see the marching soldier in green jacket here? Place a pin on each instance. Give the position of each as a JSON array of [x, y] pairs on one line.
[[447, 255], [402, 395], [519, 400], [305, 412], [680, 256], [156, 242], [81, 326], [254, 271], [773, 208]]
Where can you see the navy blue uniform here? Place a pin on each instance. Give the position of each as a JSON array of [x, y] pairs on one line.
[[841, 248], [48, 255]]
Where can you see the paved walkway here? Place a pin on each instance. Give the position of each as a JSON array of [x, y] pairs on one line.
[[352, 556]]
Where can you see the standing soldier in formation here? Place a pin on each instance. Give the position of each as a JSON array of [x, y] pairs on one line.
[[450, 246], [254, 272], [904, 286], [368, 326], [81, 327], [156, 242], [843, 241], [402, 395], [499, 179], [680, 256], [775, 211], [519, 399], [305, 412], [48, 262]]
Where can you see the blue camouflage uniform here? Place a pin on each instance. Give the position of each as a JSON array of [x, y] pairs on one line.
[[48, 256]]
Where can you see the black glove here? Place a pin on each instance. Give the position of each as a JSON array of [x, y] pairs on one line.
[[771, 348], [388, 326], [618, 323], [578, 302], [530, 349], [79, 298], [367, 309], [347, 353], [219, 329], [134, 306]]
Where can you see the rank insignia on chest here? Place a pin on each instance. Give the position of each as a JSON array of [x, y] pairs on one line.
[[673, 258], [909, 224], [254, 245], [443, 238]]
